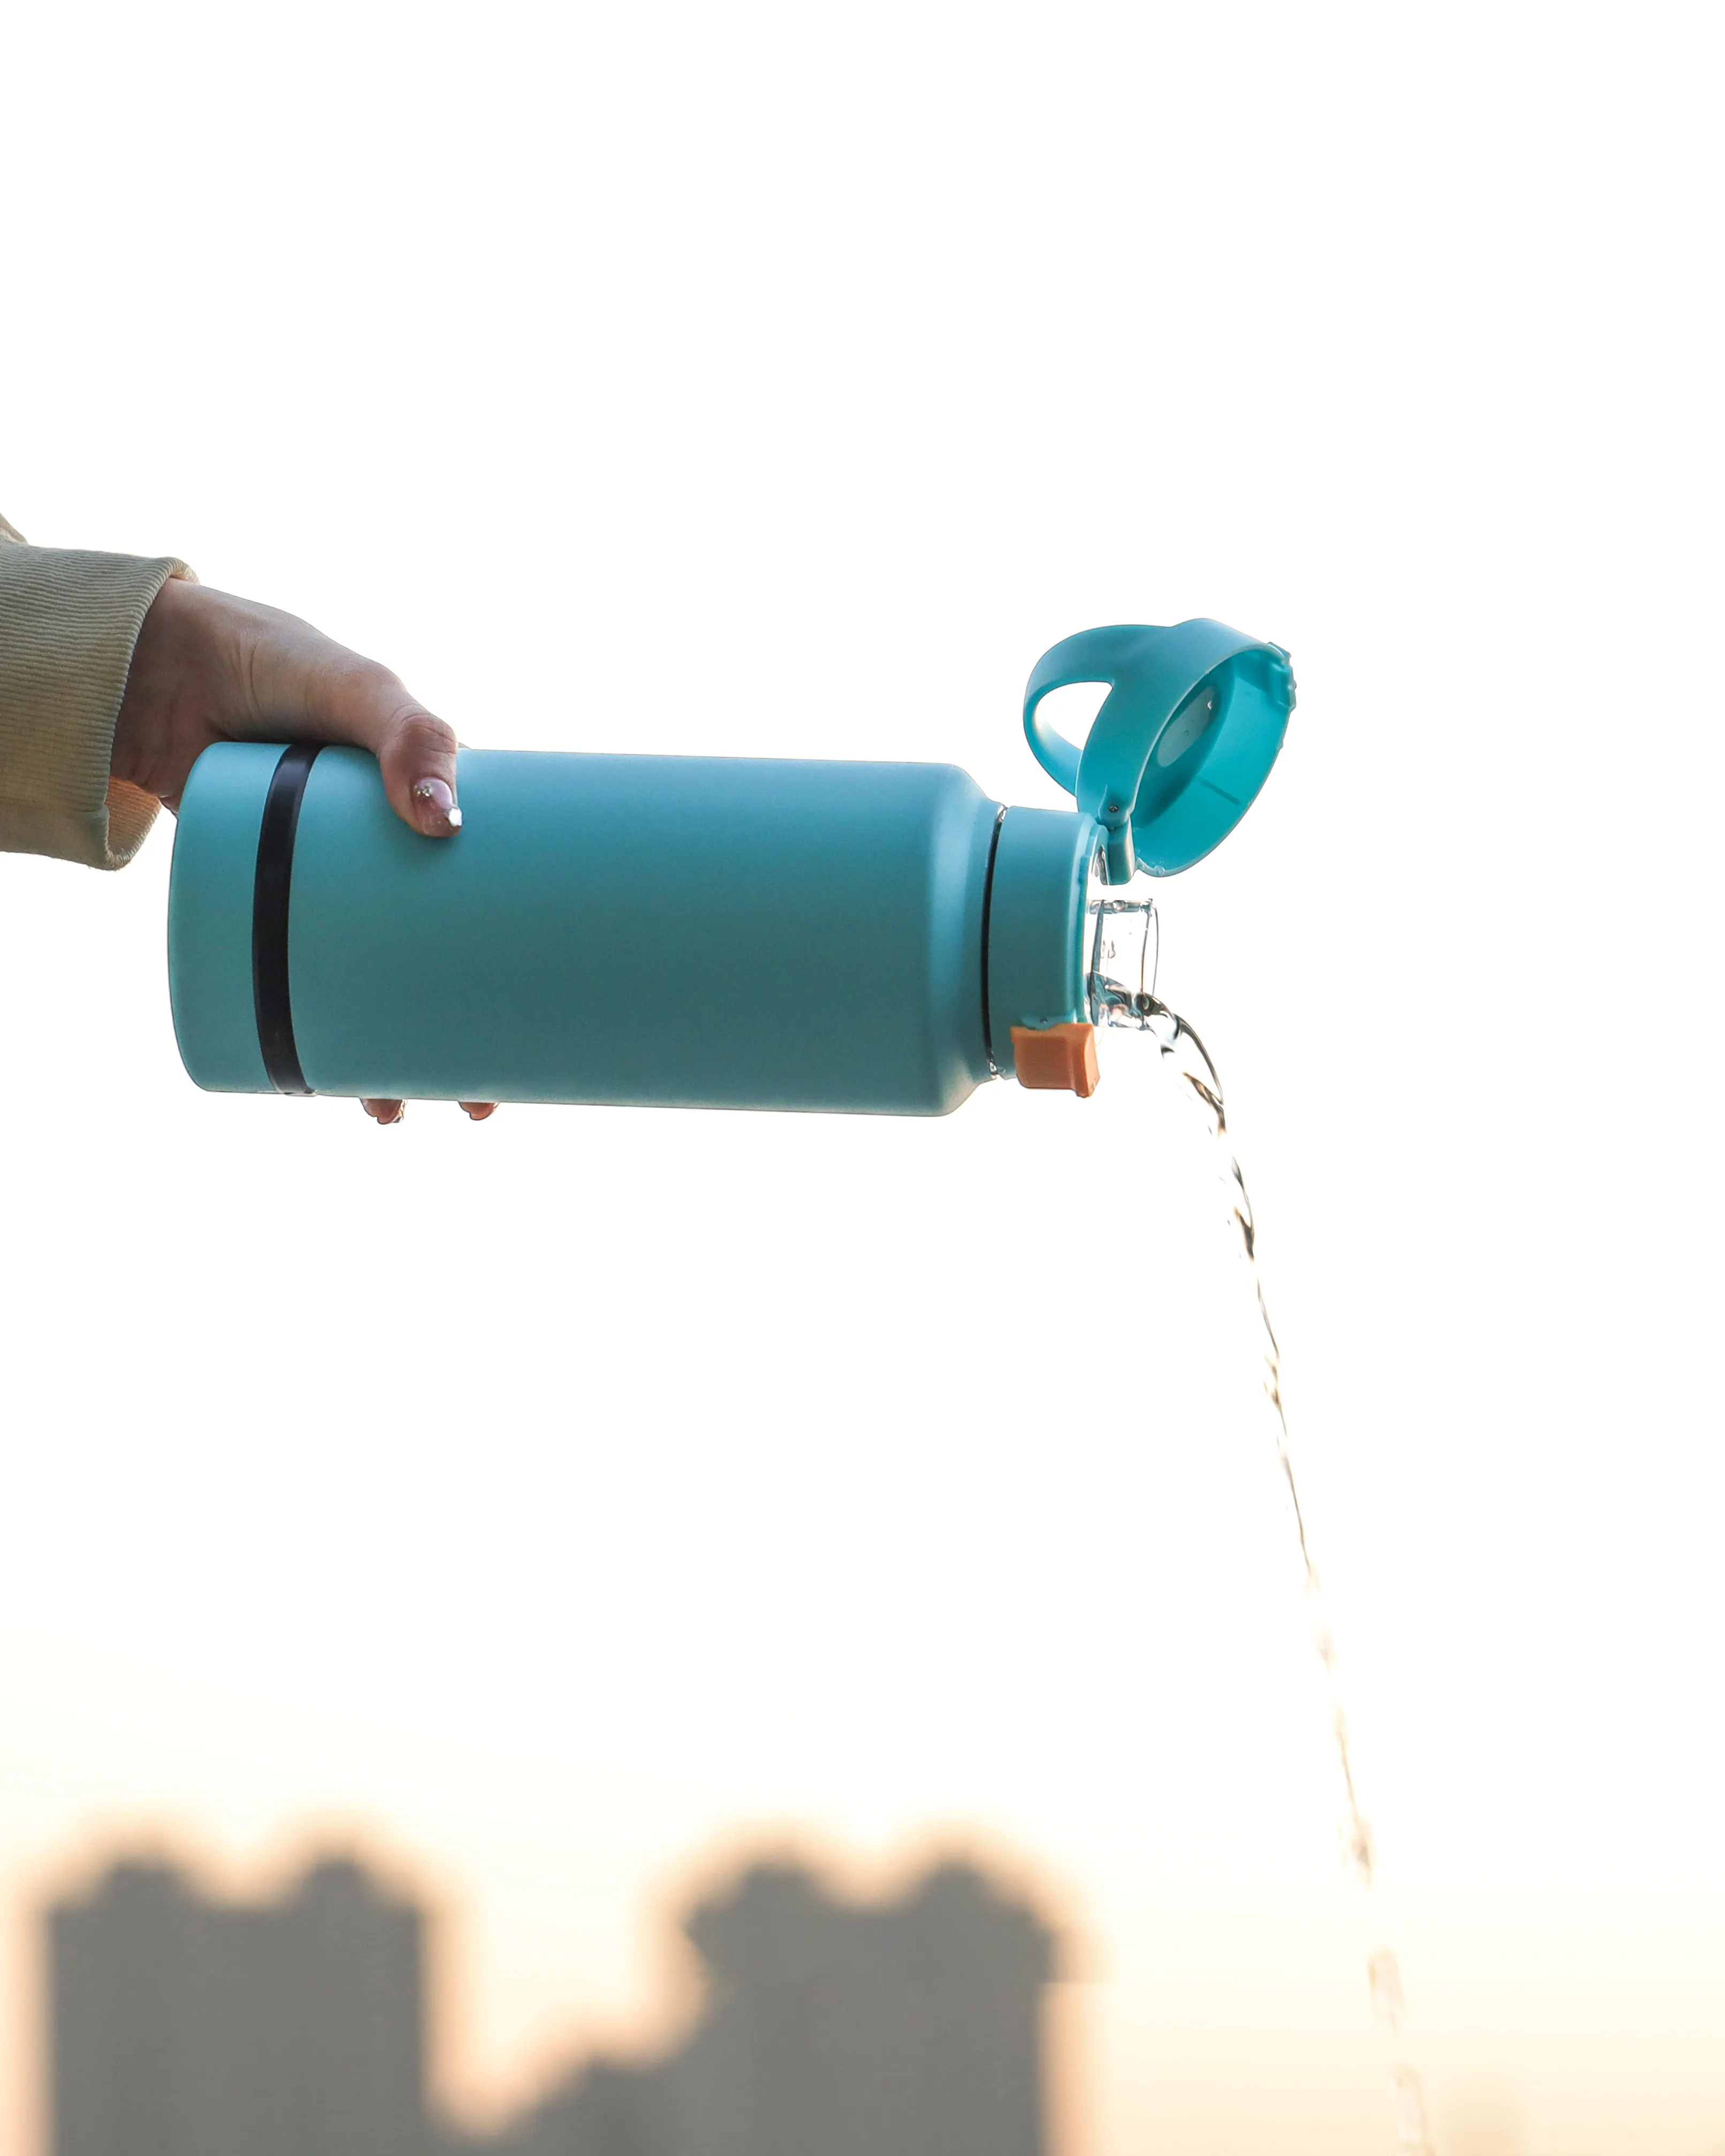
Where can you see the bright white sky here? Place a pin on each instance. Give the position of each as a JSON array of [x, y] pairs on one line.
[[562, 1502]]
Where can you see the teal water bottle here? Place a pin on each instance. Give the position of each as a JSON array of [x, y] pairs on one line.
[[704, 932]]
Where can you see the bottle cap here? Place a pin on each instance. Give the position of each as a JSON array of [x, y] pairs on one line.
[[1192, 721]]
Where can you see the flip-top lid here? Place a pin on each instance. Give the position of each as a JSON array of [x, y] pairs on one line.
[[1193, 719]]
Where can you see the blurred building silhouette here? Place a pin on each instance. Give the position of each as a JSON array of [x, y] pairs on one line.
[[180, 2025]]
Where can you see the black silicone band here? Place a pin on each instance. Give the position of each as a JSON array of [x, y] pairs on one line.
[[274, 878], [987, 914]]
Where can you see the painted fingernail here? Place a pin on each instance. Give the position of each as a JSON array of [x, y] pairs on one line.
[[434, 807]]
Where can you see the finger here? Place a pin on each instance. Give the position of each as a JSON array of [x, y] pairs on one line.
[[417, 757], [385, 1112], [479, 1110]]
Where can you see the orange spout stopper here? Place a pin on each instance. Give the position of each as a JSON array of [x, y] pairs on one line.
[[1056, 1059]]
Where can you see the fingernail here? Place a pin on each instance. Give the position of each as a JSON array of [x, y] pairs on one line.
[[434, 807], [479, 1110]]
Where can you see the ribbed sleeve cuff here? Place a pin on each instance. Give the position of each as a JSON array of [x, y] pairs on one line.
[[68, 622]]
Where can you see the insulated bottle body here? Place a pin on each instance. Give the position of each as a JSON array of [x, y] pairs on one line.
[[711, 932], [688, 931]]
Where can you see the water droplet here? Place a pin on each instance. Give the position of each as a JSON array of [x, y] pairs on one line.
[[1387, 1993], [1412, 2135], [1358, 1850]]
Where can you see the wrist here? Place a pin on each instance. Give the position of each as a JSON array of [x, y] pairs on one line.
[[167, 654]]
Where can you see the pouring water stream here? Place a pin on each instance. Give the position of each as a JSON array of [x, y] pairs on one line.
[[1139, 1006]]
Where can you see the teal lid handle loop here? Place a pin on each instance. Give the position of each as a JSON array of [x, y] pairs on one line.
[[1192, 721]]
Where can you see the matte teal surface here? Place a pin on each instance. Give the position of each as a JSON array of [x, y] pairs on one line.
[[690, 932], [1036, 923], [1163, 817], [209, 918]]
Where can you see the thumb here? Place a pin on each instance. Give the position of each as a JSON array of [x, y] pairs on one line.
[[416, 754]]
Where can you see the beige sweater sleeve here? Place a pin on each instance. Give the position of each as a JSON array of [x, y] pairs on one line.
[[68, 621]]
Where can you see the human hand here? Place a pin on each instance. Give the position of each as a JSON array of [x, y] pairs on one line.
[[209, 667]]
